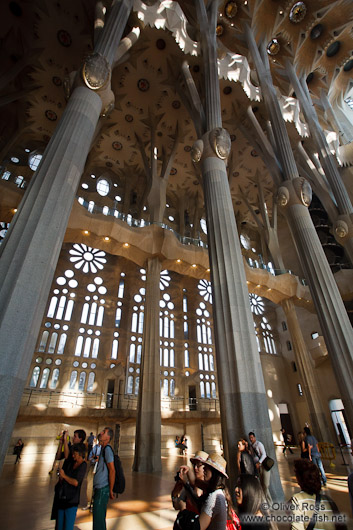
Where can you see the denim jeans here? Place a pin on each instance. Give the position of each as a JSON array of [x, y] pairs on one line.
[[100, 503], [316, 459], [66, 518]]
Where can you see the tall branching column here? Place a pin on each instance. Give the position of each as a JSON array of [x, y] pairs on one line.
[[294, 197], [30, 251], [241, 388], [343, 228], [310, 388], [148, 423]]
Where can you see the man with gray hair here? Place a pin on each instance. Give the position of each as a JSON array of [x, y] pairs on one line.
[[104, 479]]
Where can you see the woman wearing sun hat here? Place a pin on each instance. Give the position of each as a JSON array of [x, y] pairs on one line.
[[213, 512], [180, 498]]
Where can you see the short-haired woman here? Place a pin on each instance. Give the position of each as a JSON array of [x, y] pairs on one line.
[[67, 490]]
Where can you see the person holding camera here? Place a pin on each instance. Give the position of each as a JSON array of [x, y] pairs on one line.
[[67, 489], [180, 499]]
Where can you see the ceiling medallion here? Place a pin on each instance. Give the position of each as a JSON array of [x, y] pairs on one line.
[[95, 71], [117, 146], [56, 80], [129, 118], [51, 115], [176, 104], [143, 85], [219, 30], [273, 47], [297, 13], [64, 38], [230, 9], [187, 148]]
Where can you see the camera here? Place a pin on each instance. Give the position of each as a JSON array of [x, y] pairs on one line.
[[177, 476]]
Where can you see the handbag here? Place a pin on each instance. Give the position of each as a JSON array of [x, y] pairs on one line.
[[268, 463], [187, 520]]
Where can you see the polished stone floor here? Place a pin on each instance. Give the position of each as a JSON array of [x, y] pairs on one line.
[[26, 494]]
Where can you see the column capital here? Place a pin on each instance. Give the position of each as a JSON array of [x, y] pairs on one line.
[[343, 228], [214, 143], [295, 191]]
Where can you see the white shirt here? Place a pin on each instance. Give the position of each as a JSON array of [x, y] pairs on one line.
[[259, 452]]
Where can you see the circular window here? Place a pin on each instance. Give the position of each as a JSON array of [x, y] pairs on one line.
[[131, 369], [58, 362], [61, 280], [98, 280], [165, 373], [187, 373], [112, 365], [65, 328], [82, 330], [102, 290], [73, 284], [91, 287], [89, 332], [47, 324], [103, 187], [48, 361], [76, 364], [56, 326], [39, 359], [201, 376], [84, 365], [116, 334], [56, 291], [93, 365], [97, 333], [69, 273]]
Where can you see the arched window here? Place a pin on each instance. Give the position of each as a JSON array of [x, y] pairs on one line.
[[137, 384], [165, 387], [121, 289], [87, 348], [52, 307], [69, 309], [132, 353], [61, 307], [95, 348], [54, 378], [172, 387], [81, 381], [90, 383], [100, 316], [79, 344], [62, 343], [73, 379], [213, 390], [35, 376], [208, 389], [202, 389], [43, 341], [200, 361], [92, 316], [84, 315], [118, 317], [115, 347], [45, 377], [138, 354], [52, 343], [130, 384], [186, 356]]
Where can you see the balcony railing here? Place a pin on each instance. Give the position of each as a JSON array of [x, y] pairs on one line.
[[54, 398], [138, 223]]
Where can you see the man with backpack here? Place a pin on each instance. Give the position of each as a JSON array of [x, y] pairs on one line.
[[104, 480]]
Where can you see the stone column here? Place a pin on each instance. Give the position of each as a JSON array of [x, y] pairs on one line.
[[30, 251], [310, 388], [343, 229], [148, 423], [241, 388], [294, 197]]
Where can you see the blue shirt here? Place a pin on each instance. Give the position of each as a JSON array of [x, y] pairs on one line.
[[311, 440], [101, 477]]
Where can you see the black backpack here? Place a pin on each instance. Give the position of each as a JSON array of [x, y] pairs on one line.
[[119, 484]]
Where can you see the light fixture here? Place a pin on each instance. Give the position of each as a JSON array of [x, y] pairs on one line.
[[207, 270], [86, 232], [194, 265], [14, 210], [107, 238], [178, 260], [126, 245]]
